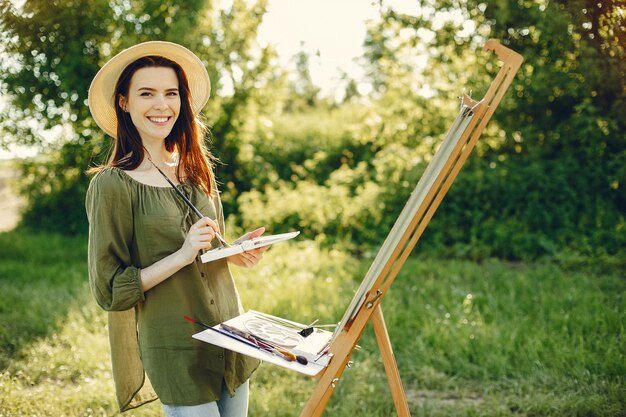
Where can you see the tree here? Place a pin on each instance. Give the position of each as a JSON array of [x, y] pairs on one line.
[[303, 93], [554, 154], [548, 174], [570, 113]]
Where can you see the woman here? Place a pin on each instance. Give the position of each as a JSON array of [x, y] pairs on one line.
[[144, 240]]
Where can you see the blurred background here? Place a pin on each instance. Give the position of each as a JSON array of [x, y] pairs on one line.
[[324, 115]]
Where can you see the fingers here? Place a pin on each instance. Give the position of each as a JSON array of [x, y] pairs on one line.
[[206, 222], [206, 228], [251, 235], [247, 259], [256, 233], [199, 237], [255, 254], [251, 260], [261, 249], [202, 233]]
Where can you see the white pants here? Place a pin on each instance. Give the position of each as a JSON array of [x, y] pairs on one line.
[[226, 406]]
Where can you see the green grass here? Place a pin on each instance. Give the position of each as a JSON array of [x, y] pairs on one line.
[[490, 339]]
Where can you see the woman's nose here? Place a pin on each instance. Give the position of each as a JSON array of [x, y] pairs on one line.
[[159, 102]]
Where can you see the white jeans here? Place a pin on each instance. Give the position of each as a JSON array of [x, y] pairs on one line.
[[226, 406]]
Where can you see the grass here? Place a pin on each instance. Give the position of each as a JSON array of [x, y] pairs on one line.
[[489, 339]]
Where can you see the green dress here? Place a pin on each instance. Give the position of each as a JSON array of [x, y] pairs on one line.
[[131, 226]]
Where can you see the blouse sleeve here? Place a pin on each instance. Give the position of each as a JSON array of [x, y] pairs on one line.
[[115, 283]]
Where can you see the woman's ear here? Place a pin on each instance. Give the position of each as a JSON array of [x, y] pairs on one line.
[[122, 103]]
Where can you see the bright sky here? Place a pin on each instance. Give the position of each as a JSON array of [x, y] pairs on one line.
[[334, 29]]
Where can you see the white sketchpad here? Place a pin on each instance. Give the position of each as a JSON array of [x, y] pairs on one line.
[[246, 245]]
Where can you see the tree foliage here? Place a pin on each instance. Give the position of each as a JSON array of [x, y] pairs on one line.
[[547, 176]]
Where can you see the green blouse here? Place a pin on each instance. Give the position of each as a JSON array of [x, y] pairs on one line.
[[131, 226]]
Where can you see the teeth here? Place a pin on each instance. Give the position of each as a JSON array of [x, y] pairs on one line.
[[158, 119]]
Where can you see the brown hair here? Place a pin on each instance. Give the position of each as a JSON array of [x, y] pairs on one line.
[[186, 137]]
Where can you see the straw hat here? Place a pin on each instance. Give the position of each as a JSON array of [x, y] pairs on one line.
[[102, 89]]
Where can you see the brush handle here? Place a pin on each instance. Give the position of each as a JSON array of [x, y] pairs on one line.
[[239, 336], [189, 203], [206, 326], [244, 337], [286, 354]]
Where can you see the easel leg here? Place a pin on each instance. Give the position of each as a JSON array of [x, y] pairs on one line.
[[317, 402], [324, 389], [389, 361]]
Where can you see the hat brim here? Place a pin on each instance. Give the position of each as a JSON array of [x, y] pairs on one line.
[[101, 91]]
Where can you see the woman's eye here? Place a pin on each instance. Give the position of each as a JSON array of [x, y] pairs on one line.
[[145, 94], [172, 93]]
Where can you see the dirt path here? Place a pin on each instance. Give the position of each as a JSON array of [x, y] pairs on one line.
[[10, 203]]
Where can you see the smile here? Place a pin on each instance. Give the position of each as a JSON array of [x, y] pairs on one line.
[[160, 119]]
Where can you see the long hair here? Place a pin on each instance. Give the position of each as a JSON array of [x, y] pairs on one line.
[[186, 137]]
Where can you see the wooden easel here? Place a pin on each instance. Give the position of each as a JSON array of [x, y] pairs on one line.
[[424, 201]]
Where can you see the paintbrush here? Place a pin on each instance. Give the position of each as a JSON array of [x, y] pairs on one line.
[[285, 354], [290, 356], [189, 203]]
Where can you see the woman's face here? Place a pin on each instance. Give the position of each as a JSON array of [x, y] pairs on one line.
[[153, 102]]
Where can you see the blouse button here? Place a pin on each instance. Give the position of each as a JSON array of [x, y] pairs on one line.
[[220, 356], [212, 301], [202, 274]]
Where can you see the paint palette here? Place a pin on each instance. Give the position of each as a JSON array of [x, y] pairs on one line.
[[272, 332]]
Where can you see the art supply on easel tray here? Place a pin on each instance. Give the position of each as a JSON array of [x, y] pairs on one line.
[[303, 331], [288, 355], [252, 341]]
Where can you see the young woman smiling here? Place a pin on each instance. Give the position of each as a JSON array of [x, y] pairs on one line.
[[144, 240]]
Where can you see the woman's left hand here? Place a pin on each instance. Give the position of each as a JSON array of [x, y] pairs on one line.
[[252, 257]]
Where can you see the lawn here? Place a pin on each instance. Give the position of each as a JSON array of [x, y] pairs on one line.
[[471, 339]]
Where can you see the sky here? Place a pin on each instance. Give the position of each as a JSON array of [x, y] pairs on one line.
[[330, 31]]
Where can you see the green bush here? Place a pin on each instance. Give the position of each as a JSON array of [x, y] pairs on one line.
[[54, 187], [514, 207]]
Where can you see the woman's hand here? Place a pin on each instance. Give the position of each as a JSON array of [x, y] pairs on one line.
[[249, 258], [199, 237]]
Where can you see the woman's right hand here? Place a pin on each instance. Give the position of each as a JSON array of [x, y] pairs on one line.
[[199, 237]]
